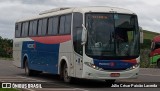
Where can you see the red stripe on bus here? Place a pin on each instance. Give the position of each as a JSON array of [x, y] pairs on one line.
[[156, 39], [155, 52], [52, 39], [133, 61]]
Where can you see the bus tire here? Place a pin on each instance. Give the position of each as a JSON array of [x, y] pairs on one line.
[[66, 78], [158, 63], [109, 82], [28, 71]]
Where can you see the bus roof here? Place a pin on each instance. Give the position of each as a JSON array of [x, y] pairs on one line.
[[66, 10], [156, 39]]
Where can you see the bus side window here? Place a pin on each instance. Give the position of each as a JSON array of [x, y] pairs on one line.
[[50, 26], [68, 24], [25, 29], [30, 28], [53, 26], [18, 29], [77, 32], [40, 27], [65, 24], [35, 27], [62, 24], [157, 45], [44, 27]]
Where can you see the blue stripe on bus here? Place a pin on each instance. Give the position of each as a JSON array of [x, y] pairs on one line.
[[112, 64], [41, 57]]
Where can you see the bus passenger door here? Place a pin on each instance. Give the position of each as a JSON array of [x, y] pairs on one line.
[[78, 66], [78, 48], [77, 34]]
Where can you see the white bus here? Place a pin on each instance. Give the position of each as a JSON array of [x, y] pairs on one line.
[[81, 42]]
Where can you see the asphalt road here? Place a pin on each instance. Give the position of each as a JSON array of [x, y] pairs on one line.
[[10, 73]]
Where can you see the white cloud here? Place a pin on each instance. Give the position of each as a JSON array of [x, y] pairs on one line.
[[80, 0], [151, 2], [156, 21]]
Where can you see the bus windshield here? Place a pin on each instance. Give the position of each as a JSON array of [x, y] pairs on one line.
[[112, 35]]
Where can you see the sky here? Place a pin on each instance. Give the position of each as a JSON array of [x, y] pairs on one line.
[[148, 11]]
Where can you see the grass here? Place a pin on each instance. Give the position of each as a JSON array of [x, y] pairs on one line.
[[8, 59], [145, 61], [9, 89], [149, 35]]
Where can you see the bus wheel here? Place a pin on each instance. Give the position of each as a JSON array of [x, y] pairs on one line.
[[109, 82], [28, 72], [66, 78], [158, 64]]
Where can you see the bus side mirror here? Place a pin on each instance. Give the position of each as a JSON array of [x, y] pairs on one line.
[[141, 35], [84, 35]]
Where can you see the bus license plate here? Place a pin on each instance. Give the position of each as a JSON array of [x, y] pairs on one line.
[[115, 74]]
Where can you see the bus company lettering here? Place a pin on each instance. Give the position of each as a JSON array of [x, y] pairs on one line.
[[108, 64], [104, 64], [31, 45]]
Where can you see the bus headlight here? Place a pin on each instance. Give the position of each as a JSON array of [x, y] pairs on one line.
[[92, 66], [133, 67]]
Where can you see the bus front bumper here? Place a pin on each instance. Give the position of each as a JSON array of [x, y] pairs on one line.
[[90, 73]]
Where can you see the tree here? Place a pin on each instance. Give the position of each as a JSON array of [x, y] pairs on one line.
[[5, 47]]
